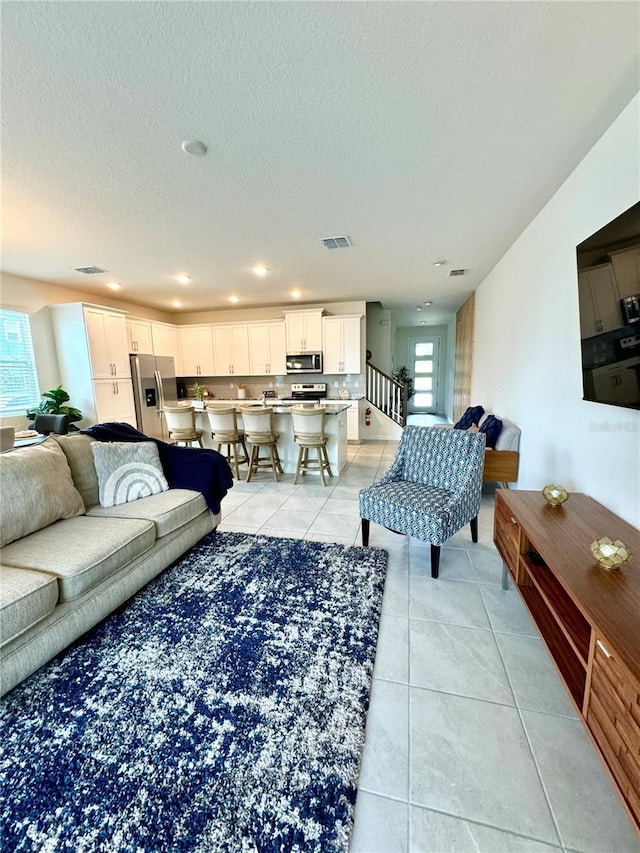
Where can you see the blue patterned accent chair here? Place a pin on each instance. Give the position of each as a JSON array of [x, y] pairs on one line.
[[432, 489]]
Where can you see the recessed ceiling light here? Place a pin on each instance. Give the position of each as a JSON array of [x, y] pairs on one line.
[[439, 263], [423, 322], [176, 303], [427, 303], [418, 307], [233, 298], [261, 270], [183, 279], [114, 285], [193, 147], [296, 294]]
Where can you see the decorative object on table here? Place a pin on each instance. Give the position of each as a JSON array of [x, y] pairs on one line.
[[555, 495], [609, 553], [257, 654], [242, 391], [199, 391], [53, 404]]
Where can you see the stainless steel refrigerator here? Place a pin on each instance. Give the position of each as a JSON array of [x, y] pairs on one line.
[[154, 386]]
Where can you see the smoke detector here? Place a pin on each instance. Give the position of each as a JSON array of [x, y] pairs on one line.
[[457, 272], [336, 242], [90, 270]]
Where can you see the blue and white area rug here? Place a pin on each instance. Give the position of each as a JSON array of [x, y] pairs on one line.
[[222, 709]]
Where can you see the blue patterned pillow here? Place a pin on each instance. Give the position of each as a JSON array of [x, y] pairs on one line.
[[470, 417], [127, 471], [491, 427]]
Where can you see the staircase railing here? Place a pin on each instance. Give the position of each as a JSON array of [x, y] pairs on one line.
[[387, 394]]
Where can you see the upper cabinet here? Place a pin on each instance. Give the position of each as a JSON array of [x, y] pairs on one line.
[[196, 347], [303, 330], [341, 344], [139, 335], [165, 340], [599, 300], [108, 342], [267, 350], [626, 266], [231, 350]]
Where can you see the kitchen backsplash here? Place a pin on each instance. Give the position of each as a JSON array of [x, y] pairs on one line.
[[225, 389]]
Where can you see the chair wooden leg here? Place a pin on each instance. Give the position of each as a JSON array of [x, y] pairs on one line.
[[274, 462], [435, 560], [254, 448], [232, 446], [474, 529], [326, 460], [365, 531], [321, 465], [298, 463]]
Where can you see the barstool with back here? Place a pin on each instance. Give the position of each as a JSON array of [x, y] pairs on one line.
[[181, 424], [224, 430], [308, 433], [258, 431]]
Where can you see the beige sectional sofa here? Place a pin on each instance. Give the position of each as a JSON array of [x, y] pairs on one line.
[[66, 561]]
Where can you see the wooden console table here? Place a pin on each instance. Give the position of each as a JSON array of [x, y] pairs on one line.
[[588, 617]]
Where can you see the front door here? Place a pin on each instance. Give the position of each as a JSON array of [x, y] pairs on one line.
[[424, 359]]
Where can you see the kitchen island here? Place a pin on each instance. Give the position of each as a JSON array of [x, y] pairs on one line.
[[335, 426]]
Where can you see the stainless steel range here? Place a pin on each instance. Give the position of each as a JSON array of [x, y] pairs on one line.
[[306, 391]]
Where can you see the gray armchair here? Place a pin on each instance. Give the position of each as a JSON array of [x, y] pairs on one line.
[[432, 489]]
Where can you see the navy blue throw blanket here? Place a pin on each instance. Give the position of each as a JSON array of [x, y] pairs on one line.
[[205, 471]]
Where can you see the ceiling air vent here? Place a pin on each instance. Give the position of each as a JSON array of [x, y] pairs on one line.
[[458, 272], [336, 242], [90, 270]]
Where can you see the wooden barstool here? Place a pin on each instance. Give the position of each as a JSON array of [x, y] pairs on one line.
[[308, 433], [258, 431], [224, 430], [181, 423]]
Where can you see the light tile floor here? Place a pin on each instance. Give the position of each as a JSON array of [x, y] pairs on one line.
[[472, 743]]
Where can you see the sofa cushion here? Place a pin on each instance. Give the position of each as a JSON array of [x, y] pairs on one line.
[[36, 489], [77, 449], [168, 510], [81, 551], [26, 597], [127, 471]]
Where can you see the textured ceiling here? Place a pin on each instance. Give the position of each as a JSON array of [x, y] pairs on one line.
[[422, 130]]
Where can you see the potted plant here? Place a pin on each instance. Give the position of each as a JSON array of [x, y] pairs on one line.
[[200, 392], [53, 404], [403, 376]]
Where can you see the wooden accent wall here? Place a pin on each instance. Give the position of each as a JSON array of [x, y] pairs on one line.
[[463, 357]]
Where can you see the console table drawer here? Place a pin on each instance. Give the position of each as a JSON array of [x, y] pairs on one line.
[[507, 534], [614, 715]]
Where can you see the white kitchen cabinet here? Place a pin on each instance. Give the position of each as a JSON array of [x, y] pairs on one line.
[[91, 341], [106, 333], [267, 349], [139, 336], [354, 419], [341, 344], [231, 350], [114, 401], [599, 300], [626, 266], [303, 330], [196, 351], [165, 340]]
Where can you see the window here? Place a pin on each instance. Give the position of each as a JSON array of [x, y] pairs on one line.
[[18, 378]]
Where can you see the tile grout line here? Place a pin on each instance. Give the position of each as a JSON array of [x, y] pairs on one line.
[[526, 734]]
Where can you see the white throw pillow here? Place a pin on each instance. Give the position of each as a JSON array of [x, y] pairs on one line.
[[127, 471]]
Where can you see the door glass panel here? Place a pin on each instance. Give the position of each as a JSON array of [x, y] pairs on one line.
[[424, 348], [423, 401], [424, 383], [423, 366]]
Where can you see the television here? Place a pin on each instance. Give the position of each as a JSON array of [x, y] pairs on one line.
[[608, 265]]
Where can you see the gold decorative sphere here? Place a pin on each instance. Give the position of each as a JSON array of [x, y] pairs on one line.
[[609, 553], [555, 495]]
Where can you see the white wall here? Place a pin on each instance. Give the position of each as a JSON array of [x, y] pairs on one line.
[[527, 363]]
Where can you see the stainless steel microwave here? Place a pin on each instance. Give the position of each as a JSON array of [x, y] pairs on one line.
[[304, 362]]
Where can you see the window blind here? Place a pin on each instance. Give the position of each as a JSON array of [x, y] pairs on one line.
[[18, 377]]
